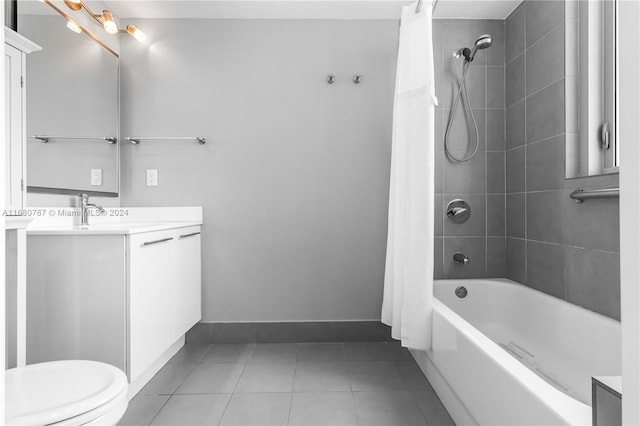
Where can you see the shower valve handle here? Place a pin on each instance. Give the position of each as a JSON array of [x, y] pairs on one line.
[[456, 211]]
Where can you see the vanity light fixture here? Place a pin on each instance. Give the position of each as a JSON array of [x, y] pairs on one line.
[[74, 27], [108, 23], [135, 32], [105, 20]]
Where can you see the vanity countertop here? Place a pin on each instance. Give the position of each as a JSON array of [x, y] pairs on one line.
[[109, 228], [114, 221]]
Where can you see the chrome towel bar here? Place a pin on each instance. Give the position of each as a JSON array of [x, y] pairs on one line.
[[579, 195], [45, 138], [136, 140]]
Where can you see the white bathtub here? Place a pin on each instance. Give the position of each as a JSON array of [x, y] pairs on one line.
[[482, 342]]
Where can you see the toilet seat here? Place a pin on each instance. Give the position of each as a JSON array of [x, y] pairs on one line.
[[73, 392]]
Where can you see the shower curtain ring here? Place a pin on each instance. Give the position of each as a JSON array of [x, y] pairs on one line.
[[331, 79], [357, 79]]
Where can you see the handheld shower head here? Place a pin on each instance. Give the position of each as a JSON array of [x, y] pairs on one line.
[[483, 42]]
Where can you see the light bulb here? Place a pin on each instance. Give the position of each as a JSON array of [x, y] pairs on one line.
[[108, 23], [73, 27], [136, 32]]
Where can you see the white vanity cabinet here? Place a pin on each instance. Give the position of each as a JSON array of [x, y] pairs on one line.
[[164, 292], [15, 50], [123, 297]]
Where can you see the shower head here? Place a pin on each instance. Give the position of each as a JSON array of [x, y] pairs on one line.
[[483, 42]]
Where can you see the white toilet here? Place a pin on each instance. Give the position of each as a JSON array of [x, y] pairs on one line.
[[65, 392]]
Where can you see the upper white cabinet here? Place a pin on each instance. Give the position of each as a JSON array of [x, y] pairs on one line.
[[15, 50]]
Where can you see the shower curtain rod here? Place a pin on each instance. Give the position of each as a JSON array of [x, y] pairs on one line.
[[419, 5]]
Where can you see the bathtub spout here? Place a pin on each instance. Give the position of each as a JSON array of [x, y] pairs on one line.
[[460, 258]]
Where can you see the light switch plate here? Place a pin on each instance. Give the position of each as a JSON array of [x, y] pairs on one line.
[[96, 177], [152, 177]]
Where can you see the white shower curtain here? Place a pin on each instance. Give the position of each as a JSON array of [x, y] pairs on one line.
[[408, 281]]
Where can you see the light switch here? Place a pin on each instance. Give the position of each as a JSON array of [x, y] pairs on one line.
[[96, 177], [152, 177]]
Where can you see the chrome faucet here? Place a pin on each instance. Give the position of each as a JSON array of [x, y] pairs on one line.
[[84, 209], [460, 258]]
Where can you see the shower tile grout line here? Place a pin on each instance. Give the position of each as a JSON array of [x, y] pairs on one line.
[[542, 37], [537, 141]]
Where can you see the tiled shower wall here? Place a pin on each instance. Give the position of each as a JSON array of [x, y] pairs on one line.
[[567, 250], [481, 181]]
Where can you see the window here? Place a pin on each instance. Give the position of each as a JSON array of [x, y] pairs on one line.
[[591, 70]]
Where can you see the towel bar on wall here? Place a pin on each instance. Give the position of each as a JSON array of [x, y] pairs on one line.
[[46, 138], [136, 140], [579, 195]]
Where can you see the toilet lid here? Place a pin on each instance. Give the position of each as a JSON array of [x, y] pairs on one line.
[[55, 391]]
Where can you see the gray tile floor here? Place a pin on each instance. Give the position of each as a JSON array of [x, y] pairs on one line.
[[289, 384]]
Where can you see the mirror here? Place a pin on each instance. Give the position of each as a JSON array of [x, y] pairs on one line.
[[72, 106]]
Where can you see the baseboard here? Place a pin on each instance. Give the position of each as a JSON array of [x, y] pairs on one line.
[[289, 332]]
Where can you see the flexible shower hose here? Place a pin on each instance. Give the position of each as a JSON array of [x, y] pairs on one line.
[[461, 88]]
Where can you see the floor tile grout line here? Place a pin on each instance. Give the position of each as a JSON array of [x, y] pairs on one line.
[[225, 408], [193, 367], [235, 387], [415, 399], [161, 408], [290, 406], [355, 408]]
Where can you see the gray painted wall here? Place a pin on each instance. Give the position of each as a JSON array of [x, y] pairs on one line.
[[294, 177], [564, 249], [481, 181]]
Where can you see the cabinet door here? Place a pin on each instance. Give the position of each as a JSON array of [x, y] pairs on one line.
[[188, 281], [13, 62], [76, 298], [151, 304]]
